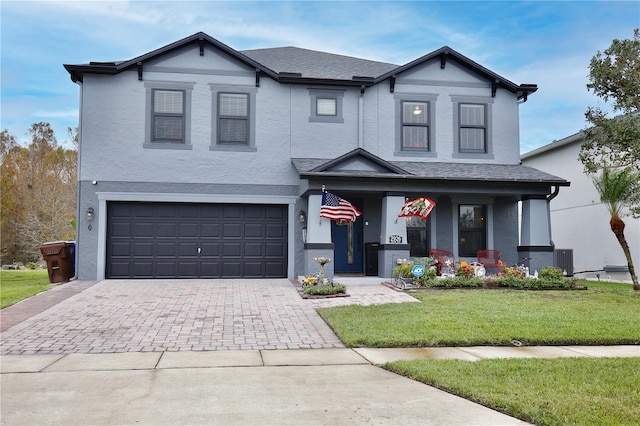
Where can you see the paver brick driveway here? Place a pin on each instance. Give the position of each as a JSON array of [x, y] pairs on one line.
[[176, 315]]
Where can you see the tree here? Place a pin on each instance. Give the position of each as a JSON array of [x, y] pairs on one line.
[[617, 189], [614, 76], [613, 144], [38, 193]]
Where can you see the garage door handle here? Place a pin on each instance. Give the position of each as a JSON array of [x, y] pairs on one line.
[[199, 250]]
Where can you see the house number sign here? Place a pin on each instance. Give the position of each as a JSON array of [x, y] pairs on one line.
[[395, 239]]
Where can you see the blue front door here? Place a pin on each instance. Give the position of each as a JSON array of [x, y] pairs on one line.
[[347, 240]]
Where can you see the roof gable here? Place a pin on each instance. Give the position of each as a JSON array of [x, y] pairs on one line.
[[358, 161], [303, 66]]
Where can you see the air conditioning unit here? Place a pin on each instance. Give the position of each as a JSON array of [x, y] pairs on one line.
[[563, 259]]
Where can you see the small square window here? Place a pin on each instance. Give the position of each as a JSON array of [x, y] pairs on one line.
[[326, 106]]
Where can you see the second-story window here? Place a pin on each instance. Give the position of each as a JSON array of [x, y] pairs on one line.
[[326, 107], [473, 128], [415, 126], [233, 118], [168, 116]]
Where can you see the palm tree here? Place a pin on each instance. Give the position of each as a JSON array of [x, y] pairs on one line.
[[618, 188]]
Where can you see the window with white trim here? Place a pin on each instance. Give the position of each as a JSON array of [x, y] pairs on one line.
[[473, 128]]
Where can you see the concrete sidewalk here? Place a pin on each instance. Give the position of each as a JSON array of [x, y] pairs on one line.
[[307, 386], [323, 386]]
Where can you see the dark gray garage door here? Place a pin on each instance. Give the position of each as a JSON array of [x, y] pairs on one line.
[[183, 240]]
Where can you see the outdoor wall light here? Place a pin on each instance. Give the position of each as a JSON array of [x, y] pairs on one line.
[[302, 216], [90, 214]]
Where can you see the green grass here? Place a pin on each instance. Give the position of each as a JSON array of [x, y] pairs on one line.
[[606, 313], [561, 391], [18, 285]]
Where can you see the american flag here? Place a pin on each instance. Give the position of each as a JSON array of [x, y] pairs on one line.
[[336, 208]]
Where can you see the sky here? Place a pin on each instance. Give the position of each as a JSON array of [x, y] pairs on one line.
[[548, 43]]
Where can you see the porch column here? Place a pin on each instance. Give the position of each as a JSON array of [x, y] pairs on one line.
[[393, 235], [535, 234], [318, 242]]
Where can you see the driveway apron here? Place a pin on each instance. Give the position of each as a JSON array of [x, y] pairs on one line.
[[183, 315]]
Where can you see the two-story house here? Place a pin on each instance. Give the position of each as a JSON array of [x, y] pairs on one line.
[[198, 160]]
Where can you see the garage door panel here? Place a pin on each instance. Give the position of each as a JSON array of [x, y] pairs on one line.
[[143, 249], [231, 249], [210, 249], [121, 229], [275, 213], [210, 230], [166, 270], [188, 269], [141, 229], [253, 250], [143, 210], [182, 240], [231, 269], [166, 230], [253, 269], [120, 249], [233, 212], [254, 230], [188, 249], [232, 230], [166, 249], [274, 270], [143, 269], [275, 250], [188, 230], [275, 231], [210, 269]]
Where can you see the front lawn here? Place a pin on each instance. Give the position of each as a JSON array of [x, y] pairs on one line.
[[561, 391], [18, 285], [605, 314]]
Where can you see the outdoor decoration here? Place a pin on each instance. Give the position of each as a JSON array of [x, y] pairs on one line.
[[318, 285], [338, 209], [420, 207]]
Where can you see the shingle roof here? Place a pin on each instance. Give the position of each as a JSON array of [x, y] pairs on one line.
[[314, 64], [442, 171]]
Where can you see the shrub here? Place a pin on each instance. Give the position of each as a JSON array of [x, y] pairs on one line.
[[324, 289], [551, 274]]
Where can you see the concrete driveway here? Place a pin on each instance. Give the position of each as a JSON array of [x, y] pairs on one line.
[[186, 315]]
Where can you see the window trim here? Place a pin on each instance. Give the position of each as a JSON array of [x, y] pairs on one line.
[[315, 94], [430, 100], [216, 91], [488, 135], [149, 142], [426, 125]]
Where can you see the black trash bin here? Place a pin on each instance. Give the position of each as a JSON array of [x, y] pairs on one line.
[[60, 258]]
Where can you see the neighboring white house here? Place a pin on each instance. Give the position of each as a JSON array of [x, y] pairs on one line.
[[579, 220]]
